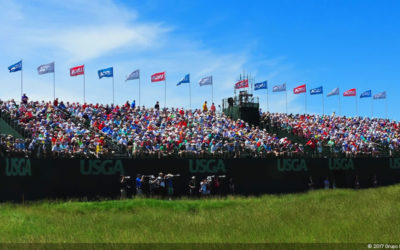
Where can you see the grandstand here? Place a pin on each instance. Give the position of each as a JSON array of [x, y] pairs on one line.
[[76, 130], [62, 150], [98, 131]]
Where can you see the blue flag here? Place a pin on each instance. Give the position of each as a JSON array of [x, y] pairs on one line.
[[260, 85], [106, 72], [46, 68], [134, 75], [185, 79], [334, 91], [279, 88], [367, 93], [316, 91], [15, 67], [381, 95], [206, 81]]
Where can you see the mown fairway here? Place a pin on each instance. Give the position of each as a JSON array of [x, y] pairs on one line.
[[320, 216]]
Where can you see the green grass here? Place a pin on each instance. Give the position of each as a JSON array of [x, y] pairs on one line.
[[320, 216]]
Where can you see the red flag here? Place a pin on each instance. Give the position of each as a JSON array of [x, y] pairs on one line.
[[78, 70], [350, 92], [299, 89], [157, 77], [242, 84]]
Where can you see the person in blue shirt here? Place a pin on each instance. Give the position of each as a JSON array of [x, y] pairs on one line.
[[24, 99], [133, 104], [139, 184], [106, 130], [62, 105], [326, 183]]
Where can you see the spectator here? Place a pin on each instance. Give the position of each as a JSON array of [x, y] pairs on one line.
[[205, 109], [24, 99], [212, 108], [133, 105]]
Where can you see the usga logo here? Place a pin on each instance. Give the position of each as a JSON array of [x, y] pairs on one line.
[[100, 167], [206, 166], [288, 165], [341, 164], [18, 167]]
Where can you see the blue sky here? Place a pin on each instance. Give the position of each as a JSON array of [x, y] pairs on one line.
[[346, 44]]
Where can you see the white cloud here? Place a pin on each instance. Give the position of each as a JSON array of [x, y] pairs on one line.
[[84, 30], [106, 34], [90, 42]]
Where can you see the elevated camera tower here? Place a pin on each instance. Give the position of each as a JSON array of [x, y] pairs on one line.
[[243, 105]]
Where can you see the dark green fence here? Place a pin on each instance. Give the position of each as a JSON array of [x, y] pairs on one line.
[[42, 179]]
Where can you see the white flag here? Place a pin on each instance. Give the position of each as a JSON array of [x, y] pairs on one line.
[[206, 81]]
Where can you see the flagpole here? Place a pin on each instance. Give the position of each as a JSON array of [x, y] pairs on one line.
[[340, 110], [54, 82], [84, 88], [165, 91], [356, 106], [267, 101], [22, 81], [113, 88], [305, 102], [190, 96], [212, 92], [386, 108], [286, 100], [251, 84], [323, 108], [139, 91], [372, 108]]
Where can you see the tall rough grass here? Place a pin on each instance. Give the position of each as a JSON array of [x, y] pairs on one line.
[[320, 216]]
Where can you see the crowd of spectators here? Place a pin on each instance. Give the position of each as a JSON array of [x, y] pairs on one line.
[[348, 136], [73, 130], [155, 132], [14, 147], [52, 132]]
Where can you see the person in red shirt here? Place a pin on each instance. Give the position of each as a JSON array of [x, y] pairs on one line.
[[212, 108], [181, 112]]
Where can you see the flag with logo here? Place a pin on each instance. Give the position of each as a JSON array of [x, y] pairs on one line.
[[133, 76], [316, 91], [158, 77], [15, 67], [46, 68], [350, 92], [185, 79], [299, 89], [76, 71], [208, 80], [381, 95], [260, 85], [279, 88], [242, 84], [365, 94], [108, 72], [334, 91]]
